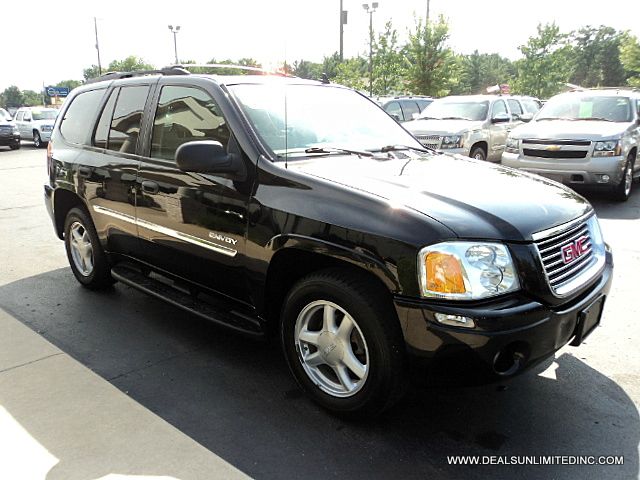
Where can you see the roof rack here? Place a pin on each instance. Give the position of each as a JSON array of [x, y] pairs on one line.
[[577, 88], [258, 70], [139, 73]]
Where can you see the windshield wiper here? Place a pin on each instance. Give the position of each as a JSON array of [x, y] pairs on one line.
[[455, 118], [398, 148], [325, 150], [596, 119]]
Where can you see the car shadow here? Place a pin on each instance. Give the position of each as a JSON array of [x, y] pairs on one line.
[[236, 397], [611, 209]]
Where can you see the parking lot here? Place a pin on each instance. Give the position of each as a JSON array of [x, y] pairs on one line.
[[237, 399]]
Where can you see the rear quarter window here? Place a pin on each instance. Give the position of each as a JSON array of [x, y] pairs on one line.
[[79, 116]]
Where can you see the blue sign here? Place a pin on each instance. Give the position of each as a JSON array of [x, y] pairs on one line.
[[57, 91]]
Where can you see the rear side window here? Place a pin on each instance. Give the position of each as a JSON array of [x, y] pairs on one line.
[[410, 108], [185, 114], [78, 118], [514, 105], [102, 129], [394, 110], [127, 117]]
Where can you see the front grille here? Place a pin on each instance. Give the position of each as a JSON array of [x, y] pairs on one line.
[[431, 141], [559, 269], [529, 152], [577, 143]]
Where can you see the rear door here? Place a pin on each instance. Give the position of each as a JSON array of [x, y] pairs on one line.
[[191, 225]]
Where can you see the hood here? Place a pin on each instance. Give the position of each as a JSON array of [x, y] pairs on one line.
[[441, 127], [570, 130], [475, 199]]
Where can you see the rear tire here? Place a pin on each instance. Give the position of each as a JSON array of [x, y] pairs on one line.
[[342, 340], [87, 259], [622, 191]]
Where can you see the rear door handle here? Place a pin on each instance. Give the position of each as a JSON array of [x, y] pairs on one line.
[[150, 187]]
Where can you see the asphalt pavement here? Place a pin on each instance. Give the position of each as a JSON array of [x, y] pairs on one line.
[[230, 403]]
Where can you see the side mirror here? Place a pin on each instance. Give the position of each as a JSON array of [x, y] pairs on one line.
[[27, 119], [208, 156], [526, 117], [501, 118], [415, 115], [396, 117]]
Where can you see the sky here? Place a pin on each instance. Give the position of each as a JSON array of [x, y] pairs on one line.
[[59, 42]]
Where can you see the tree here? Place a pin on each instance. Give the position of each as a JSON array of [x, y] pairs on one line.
[[305, 69], [12, 97], [31, 98], [546, 65], [353, 73], [91, 72], [388, 62], [481, 70], [70, 84], [432, 67], [630, 58], [596, 55], [129, 64]]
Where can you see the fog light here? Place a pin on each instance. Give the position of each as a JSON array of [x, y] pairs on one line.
[[604, 178], [455, 320]]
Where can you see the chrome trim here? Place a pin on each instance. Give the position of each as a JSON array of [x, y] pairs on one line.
[[560, 228], [185, 237]]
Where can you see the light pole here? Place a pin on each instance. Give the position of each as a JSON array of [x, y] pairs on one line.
[[175, 42], [343, 22], [370, 10], [95, 26]]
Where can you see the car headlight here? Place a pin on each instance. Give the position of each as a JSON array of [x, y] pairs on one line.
[[512, 146], [466, 270], [16, 131], [609, 148], [451, 141]]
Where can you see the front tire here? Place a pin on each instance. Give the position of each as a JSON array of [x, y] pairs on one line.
[[37, 140], [15, 146], [87, 259], [622, 191], [478, 153], [342, 340]]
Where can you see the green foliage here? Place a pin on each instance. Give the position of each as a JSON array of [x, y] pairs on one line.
[[630, 58], [305, 69], [596, 57], [31, 98], [11, 97], [481, 70], [70, 84], [432, 65], [352, 73], [91, 72], [389, 66], [245, 62], [546, 66], [129, 64]]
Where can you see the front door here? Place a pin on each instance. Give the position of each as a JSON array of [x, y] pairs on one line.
[[191, 225], [498, 131]]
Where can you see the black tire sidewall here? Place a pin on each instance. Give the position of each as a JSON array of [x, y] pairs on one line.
[[385, 357], [101, 274], [478, 149], [619, 190], [37, 139]]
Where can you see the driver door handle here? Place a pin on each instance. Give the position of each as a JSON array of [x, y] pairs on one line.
[[149, 186]]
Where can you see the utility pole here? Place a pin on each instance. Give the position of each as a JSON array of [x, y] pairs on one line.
[[175, 42], [95, 26], [343, 22], [428, 5], [370, 11]]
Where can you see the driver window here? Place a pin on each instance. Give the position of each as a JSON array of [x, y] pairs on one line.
[[185, 114], [498, 108]]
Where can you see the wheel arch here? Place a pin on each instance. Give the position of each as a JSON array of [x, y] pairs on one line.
[[482, 144], [63, 201]]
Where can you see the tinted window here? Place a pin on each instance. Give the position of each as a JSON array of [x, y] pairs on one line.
[[185, 114], [102, 129], [410, 107], [531, 106], [394, 110], [19, 116], [499, 107], [127, 115], [422, 104], [78, 118], [514, 105]]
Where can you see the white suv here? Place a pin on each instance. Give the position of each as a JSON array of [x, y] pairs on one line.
[[36, 123]]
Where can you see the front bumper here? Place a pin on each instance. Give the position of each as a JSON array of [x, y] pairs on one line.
[[508, 328], [45, 136], [584, 171], [9, 139]]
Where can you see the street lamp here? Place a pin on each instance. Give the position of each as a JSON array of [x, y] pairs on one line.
[[370, 10], [175, 43]]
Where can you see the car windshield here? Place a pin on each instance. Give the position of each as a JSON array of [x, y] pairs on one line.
[[299, 120], [580, 107], [456, 109], [44, 114]]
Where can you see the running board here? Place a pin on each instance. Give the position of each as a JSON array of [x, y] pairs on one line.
[[219, 312]]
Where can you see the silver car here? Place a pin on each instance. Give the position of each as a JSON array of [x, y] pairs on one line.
[[36, 123], [587, 137], [473, 125]]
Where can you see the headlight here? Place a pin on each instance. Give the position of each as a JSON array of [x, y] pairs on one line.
[[609, 148], [466, 270], [16, 131], [451, 141], [512, 146]]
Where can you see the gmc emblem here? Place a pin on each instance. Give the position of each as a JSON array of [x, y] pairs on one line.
[[575, 249]]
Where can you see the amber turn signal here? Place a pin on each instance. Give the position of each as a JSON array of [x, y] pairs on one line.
[[444, 273]]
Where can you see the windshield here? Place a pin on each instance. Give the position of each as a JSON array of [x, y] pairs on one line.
[[456, 109], [293, 118], [44, 114], [581, 107]]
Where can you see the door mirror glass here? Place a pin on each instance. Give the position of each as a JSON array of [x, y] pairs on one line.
[[501, 118], [526, 117]]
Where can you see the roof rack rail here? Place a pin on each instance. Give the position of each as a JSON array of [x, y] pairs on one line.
[[625, 87], [172, 70], [258, 70]]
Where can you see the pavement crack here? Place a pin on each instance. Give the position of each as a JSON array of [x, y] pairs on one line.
[[135, 370], [18, 207], [29, 363]]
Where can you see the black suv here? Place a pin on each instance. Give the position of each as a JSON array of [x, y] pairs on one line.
[[247, 201]]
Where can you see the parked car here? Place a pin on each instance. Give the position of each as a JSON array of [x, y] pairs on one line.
[[582, 138], [404, 108], [472, 125], [4, 115], [36, 123], [247, 201], [9, 134]]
